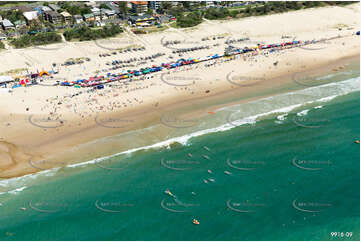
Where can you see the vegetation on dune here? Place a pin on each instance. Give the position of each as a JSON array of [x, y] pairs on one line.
[[85, 33], [189, 20], [188, 17], [37, 39]]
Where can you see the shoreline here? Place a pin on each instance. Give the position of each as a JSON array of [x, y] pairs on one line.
[[67, 160], [64, 125]]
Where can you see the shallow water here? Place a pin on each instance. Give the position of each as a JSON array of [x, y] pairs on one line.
[[290, 174]]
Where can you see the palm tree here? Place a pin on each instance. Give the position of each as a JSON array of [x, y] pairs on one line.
[[123, 9]]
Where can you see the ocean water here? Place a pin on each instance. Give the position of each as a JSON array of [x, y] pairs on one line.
[[283, 168]]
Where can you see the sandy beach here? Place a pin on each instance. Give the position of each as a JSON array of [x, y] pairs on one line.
[[62, 124]]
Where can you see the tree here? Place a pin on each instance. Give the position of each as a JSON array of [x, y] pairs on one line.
[[103, 5], [123, 9], [166, 6]]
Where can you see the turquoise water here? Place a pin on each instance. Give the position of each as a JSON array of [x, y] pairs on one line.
[[294, 177]]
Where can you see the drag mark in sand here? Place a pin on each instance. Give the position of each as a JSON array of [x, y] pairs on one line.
[[244, 81], [41, 122]]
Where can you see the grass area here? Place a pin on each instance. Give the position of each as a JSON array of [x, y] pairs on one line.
[[13, 71], [13, 3], [156, 29], [174, 25]]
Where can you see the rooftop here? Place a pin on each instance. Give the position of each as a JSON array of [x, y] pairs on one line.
[[65, 14], [140, 2], [88, 15], [31, 15], [108, 12], [54, 7], [54, 14], [7, 23], [45, 8]]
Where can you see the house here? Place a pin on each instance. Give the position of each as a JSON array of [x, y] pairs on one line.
[[108, 14], [139, 6], [3, 36], [6, 24], [91, 4], [45, 8], [143, 20], [155, 5], [238, 4], [31, 16], [210, 4], [42, 9], [66, 17], [20, 24], [54, 17], [97, 14], [78, 19], [54, 7], [88, 17], [113, 7]]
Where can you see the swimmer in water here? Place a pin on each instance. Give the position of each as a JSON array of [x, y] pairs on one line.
[[206, 157]]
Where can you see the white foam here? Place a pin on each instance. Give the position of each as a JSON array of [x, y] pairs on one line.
[[282, 116], [17, 190], [310, 95], [303, 112], [17, 184], [318, 107], [326, 99], [352, 83]]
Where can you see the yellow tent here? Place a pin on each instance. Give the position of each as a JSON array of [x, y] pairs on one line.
[[43, 73]]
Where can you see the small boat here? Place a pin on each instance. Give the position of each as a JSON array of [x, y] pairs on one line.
[[169, 193], [357, 142], [210, 172], [195, 221], [227, 173], [211, 179], [205, 181], [206, 157], [190, 155], [23, 209]]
